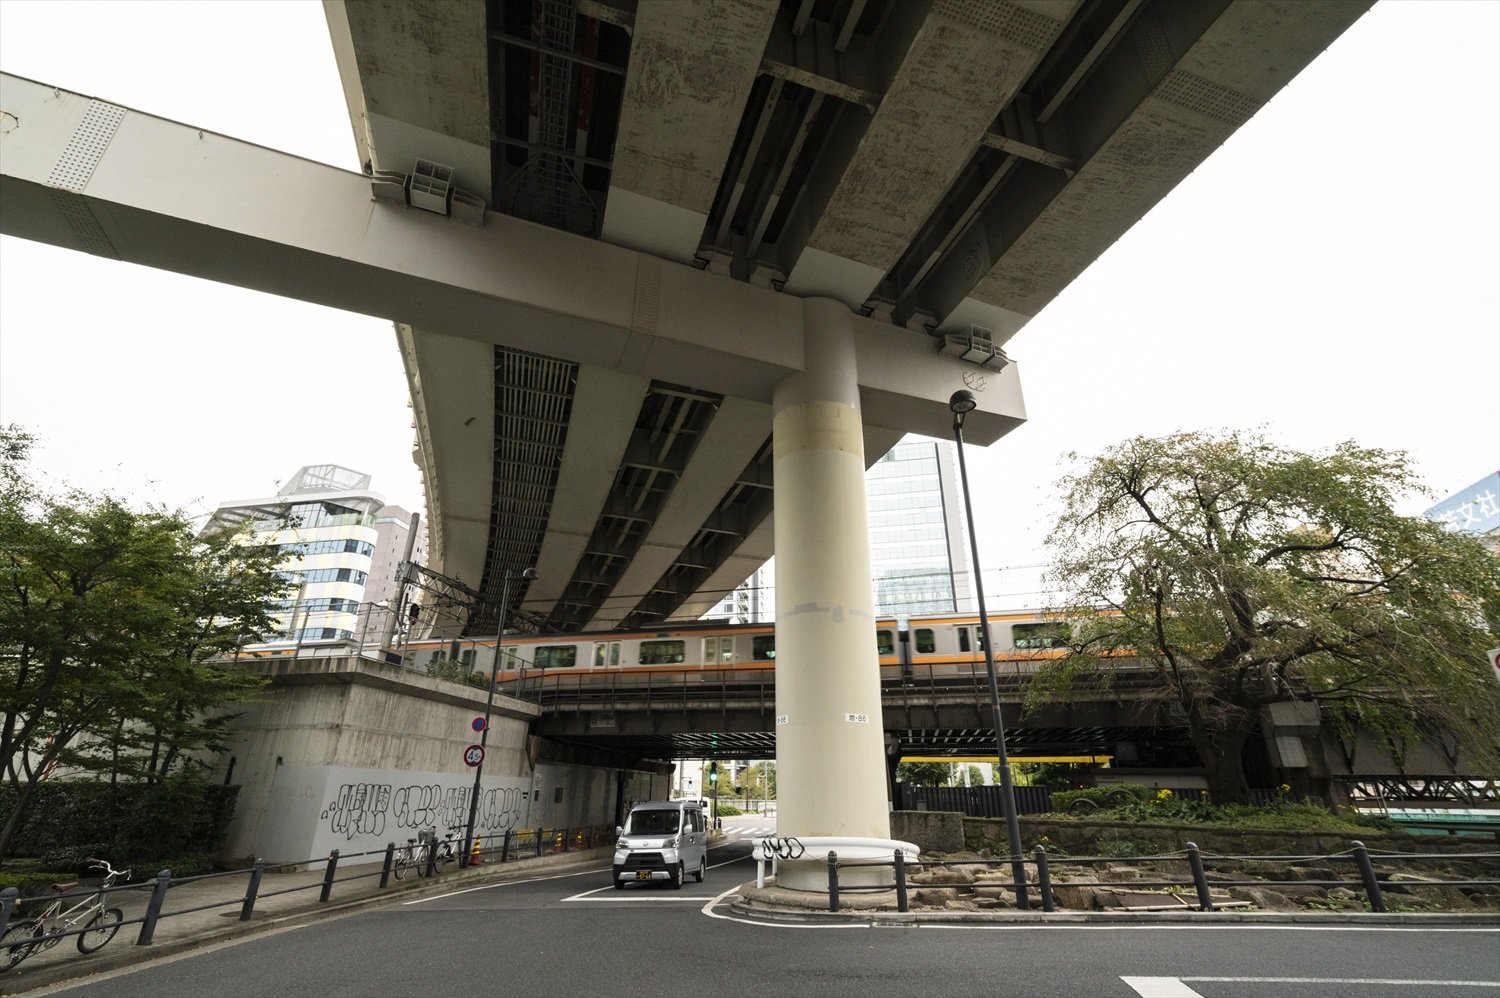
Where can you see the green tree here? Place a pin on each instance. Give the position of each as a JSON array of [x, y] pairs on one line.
[[1245, 574], [924, 774], [110, 622]]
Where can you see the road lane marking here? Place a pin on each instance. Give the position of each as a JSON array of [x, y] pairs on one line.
[[1160, 987], [1377, 981]]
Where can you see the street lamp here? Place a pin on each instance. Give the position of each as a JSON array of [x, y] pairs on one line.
[[527, 575], [962, 403]]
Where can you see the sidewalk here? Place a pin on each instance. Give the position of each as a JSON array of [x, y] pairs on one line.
[[203, 912]]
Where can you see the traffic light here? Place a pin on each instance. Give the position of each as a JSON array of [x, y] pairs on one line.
[[713, 772]]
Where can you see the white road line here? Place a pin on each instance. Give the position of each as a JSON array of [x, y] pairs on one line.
[[1378, 981], [1160, 987], [503, 883]]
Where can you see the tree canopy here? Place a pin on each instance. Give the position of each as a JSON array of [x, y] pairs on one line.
[[1244, 574], [111, 619]]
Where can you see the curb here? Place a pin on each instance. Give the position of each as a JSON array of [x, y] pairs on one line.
[[752, 908], [21, 981]]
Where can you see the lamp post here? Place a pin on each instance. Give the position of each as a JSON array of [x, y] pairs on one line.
[[484, 736], [961, 403]]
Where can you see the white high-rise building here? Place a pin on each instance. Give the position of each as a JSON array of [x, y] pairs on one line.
[[341, 545]]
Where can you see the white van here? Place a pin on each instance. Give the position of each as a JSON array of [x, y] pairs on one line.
[[662, 840]]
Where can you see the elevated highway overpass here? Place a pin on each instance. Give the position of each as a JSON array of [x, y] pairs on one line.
[[666, 276]]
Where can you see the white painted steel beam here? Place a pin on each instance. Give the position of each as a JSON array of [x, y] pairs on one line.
[[92, 176]]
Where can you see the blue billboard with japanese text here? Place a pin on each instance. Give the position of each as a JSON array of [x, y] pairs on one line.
[[1474, 510]]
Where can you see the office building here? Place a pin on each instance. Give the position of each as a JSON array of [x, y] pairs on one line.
[[342, 546]]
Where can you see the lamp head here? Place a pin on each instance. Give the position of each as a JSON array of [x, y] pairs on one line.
[[528, 574], [962, 401]]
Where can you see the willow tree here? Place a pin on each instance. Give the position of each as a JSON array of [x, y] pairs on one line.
[[113, 625], [1243, 574]]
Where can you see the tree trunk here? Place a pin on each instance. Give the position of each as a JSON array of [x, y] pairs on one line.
[[1221, 746], [8, 831]]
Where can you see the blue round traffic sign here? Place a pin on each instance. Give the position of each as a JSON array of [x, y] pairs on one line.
[[473, 755], [478, 724]]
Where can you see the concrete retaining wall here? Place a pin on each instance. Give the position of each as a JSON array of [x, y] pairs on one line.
[[349, 754]]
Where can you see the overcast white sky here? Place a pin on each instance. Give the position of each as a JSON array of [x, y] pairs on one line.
[[1332, 273]]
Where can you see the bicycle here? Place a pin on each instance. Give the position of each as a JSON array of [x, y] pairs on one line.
[[414, 855], [98, 924]]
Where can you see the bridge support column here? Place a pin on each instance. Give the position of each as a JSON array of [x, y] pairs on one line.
[[830, 750]]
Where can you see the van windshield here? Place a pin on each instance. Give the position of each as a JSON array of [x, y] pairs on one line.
[[653, 822]]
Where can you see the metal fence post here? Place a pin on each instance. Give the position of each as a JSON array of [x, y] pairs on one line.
[[388, 865], [1044, 880], [153, 907], [7, 905], [901, 904], [1200, 879], [1367, 874], [333, 865], [253, 890], [505, 846], [833, 880], [539, 832]]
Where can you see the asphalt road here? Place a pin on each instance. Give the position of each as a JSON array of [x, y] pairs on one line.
[[576, 935]]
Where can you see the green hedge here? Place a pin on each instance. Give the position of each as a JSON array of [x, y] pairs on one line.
[[130, 824]]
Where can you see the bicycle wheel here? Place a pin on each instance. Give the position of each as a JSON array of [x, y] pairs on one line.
[[100, 929], [398, 865], [10, 956], [441, 857]]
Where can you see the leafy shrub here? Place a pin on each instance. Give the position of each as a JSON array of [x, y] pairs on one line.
[[727, 810], [130, 824], [34, 883]]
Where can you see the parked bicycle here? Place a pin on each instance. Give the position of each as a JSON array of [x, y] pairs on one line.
[[98, 923], [414, 855]]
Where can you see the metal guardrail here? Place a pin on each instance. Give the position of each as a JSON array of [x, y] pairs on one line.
[[1365, 864], [514, 845]]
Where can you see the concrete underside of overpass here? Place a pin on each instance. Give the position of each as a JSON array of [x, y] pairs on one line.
[[596, 309]]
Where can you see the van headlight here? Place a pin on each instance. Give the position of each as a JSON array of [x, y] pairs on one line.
[[670, 843]]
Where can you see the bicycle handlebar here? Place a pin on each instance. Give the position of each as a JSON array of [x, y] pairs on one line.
[[109, 870]]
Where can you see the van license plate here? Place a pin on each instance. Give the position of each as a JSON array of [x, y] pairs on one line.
[[643, 874]]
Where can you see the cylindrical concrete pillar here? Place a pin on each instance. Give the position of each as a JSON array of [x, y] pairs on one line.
[[830, 760]]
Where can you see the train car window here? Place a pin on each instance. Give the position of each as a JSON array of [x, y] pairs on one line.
[[556, 657], [885, 643], [718, 651], [467, 657], [662, 652], [1050, 635], [926, 641], [726, 650], [601, 654], [764, 648], [963, 639]]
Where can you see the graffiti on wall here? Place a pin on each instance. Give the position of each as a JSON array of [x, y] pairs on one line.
[[372, 808]]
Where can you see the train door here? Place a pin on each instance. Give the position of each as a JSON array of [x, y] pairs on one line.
[[718, 652], [606, 654]]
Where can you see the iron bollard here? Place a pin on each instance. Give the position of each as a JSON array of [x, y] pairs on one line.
[[153, 907], [253, 890], [901, 904], [390, 862], [7, 905], [833, 880], [1367, 874], [1200, 879], [539, 832], [1044, 880], [505, 846], [333, 865], [432, 847]]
